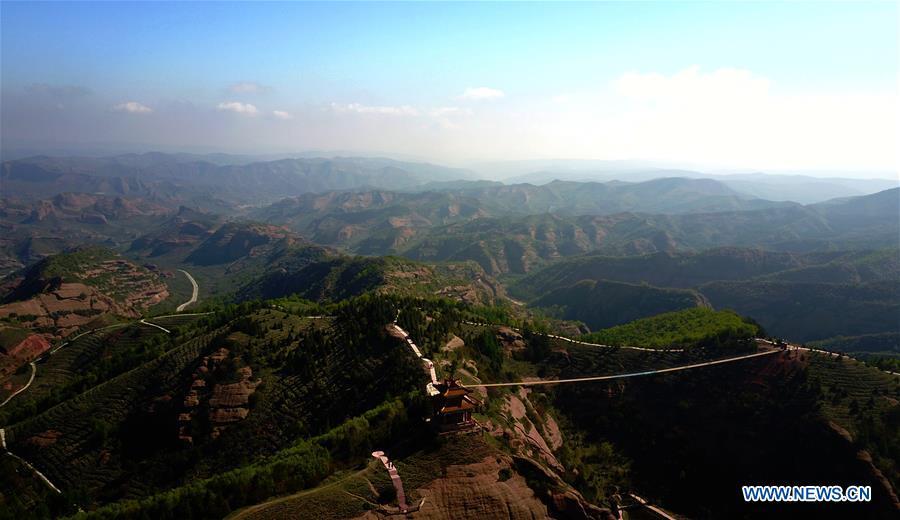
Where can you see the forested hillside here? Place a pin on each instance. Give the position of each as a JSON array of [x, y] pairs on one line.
[[604, 303]]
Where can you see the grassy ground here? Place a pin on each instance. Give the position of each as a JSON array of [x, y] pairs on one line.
[[344, 495], [180, 290], [352, 493]]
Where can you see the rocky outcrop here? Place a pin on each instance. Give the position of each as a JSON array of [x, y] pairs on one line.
[[225, 403], [62, 294], [527, 436], [510, 340], [44, 439], [488, 489], [499, 486], [23, 352], [91, 209], [453, 343]]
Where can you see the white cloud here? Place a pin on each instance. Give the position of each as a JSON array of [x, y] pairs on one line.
[[238, 107], [449, 111], [132, 107], [481, 93], [281, 114], [247, 87], [404, 110]]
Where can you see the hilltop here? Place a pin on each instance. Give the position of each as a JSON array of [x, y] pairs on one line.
[[602, 303], [789, 293], [63, 293], [307, 282], [260, 407]]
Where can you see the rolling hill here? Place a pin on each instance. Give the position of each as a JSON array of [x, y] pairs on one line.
[[602, 303], [261, 412], [812, 311], [518, 245], [381, 222], [692, 269]]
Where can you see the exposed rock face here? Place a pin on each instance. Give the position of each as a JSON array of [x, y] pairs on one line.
[[881, 481], [454, 343], [528, 433], [495, 488], [226, 403], [44, 439], [233, 241], [511, 340], [25, 351], [30, 347], [864, 459], [478, 491], [59, 305]]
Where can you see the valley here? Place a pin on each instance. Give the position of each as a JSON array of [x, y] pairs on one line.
[[449, 260], [245, 358]]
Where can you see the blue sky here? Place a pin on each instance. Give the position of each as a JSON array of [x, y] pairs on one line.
[[602, 80]]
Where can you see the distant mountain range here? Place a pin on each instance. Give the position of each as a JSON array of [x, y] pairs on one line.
[[306, 281], [519, 244], [802, 188], [242, 179], [578, 250], [183, 177]]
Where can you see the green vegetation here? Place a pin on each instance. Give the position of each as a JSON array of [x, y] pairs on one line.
[[90, 360], [24, 496], [304, 366], [886, 344], [862, 400], [804, 311], [661, 269], [303, 465], [604, 303], [675, 329], [341, 277], [70, 264], [11, 336]]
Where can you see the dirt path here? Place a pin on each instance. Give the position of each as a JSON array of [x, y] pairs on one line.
[[34, 470], [193, 296], [142, 321], [19, 391]]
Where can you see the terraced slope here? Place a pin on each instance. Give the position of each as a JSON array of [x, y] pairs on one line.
[[237, 388]]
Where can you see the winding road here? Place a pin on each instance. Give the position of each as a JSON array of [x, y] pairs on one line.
[[142, 321], [193, 296], [19, 391]]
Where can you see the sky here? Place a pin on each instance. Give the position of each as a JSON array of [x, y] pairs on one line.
[[779, 86]]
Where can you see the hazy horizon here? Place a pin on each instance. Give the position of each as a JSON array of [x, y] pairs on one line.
[[783, 89]]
